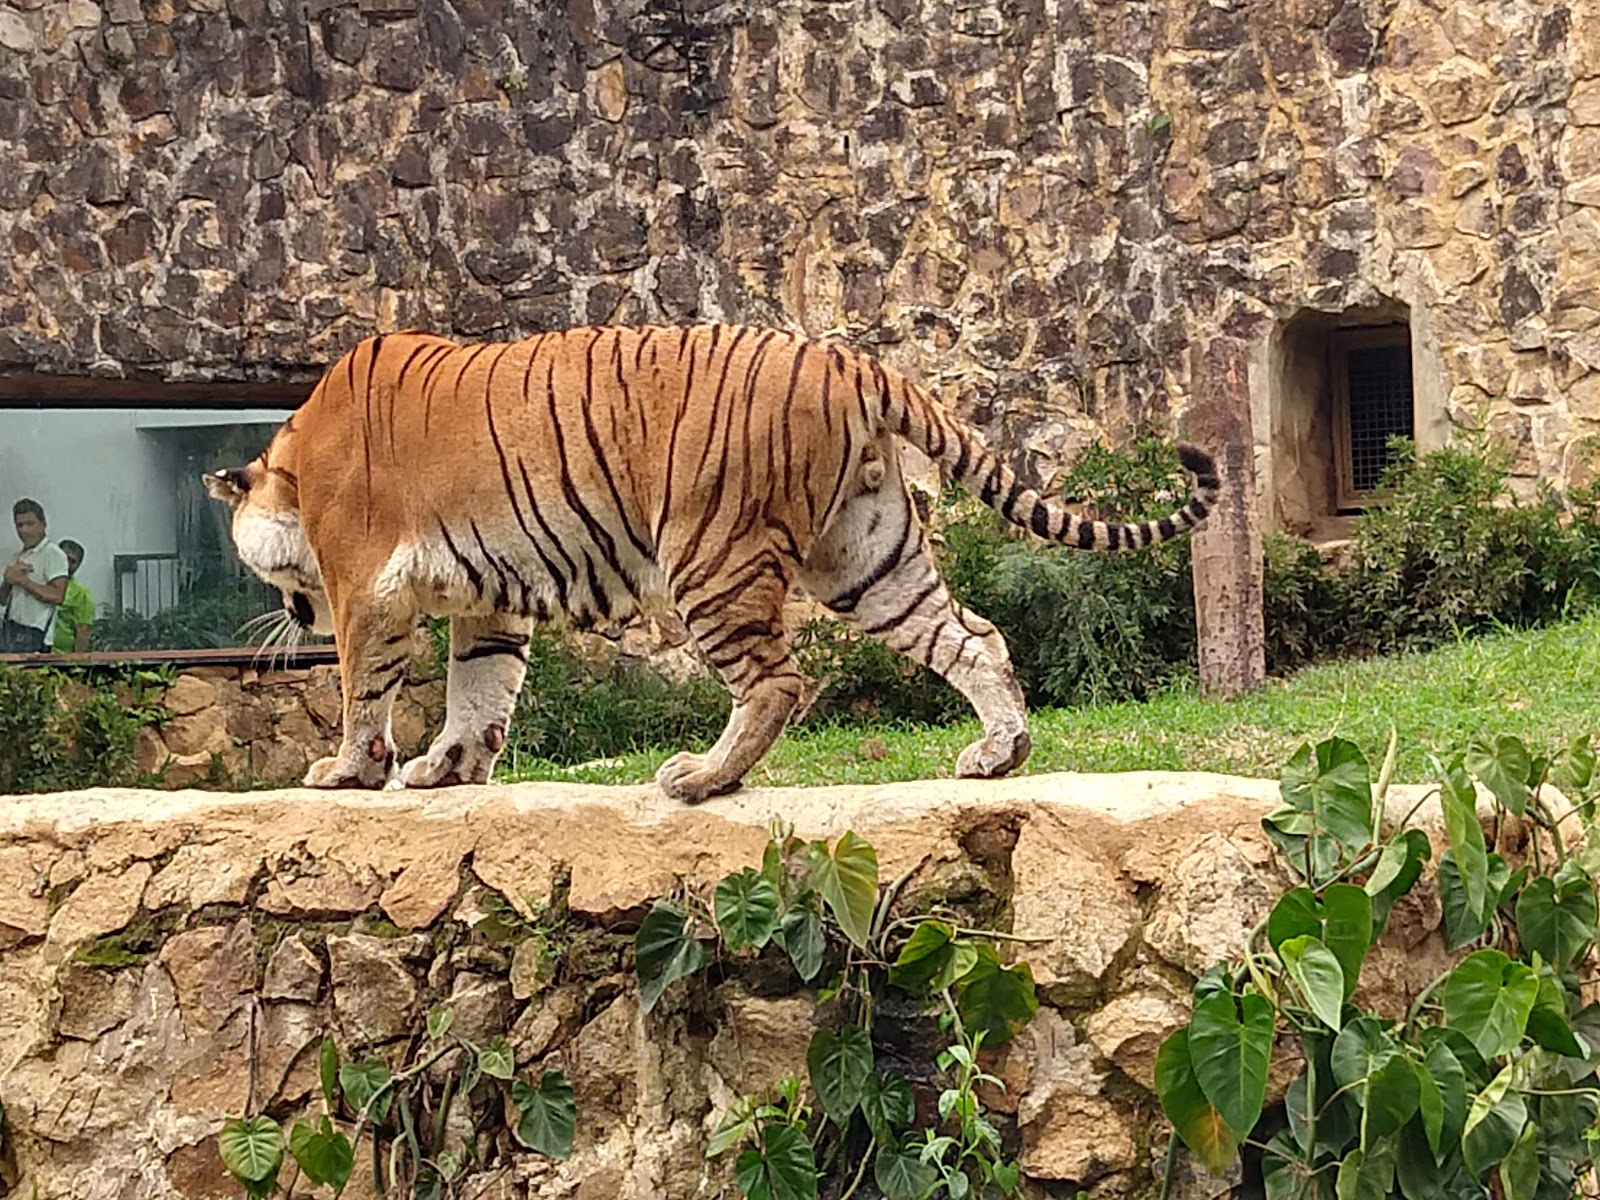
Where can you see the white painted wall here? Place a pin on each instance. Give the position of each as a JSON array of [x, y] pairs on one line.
[[106, 477]]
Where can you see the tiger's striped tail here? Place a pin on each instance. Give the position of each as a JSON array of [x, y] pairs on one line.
[[923, 422]]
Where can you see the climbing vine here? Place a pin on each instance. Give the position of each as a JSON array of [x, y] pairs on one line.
[[1486, 1084], [402, 1115], [826, 910]]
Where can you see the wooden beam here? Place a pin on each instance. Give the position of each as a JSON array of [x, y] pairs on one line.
[[47, 391]]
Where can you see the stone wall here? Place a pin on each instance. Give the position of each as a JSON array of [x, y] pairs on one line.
[[245, 727], [168, 959], [1038, 205]]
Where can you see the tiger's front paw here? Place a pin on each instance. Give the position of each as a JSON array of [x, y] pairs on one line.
[[342, 773], [691, 778], [450, 761]]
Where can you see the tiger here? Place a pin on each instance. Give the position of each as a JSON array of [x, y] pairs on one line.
[[582, 474]]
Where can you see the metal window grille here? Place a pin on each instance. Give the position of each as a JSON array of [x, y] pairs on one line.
[[1374, 401]]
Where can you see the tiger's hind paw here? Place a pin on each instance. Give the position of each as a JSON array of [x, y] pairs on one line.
[[994, 756], [690, 778]]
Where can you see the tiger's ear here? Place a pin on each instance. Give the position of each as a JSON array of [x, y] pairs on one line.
[[229, 485]]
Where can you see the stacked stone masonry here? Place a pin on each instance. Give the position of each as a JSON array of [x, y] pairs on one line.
[[245, 727], [171, 958], [1038, 206]]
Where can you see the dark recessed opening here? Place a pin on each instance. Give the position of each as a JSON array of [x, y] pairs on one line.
[[1373, 402]]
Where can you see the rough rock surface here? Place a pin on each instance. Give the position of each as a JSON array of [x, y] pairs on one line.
[[1037, 205], [115, 1078]]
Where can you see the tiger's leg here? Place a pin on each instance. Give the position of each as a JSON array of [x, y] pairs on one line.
[[488, 658], [872, 567], [741, 632], [373, 641]]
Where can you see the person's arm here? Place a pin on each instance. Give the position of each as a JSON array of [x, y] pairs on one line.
[[52, 593]]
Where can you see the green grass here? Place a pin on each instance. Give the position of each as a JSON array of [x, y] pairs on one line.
[[1542, 685]]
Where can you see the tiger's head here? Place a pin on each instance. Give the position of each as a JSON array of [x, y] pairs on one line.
[[271, 540]]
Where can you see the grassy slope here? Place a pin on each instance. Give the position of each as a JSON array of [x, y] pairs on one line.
[[1542, 685]]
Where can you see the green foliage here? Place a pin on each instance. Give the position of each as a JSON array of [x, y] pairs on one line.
[[205, 618], [548, 1115], [65, 729], [825, 911], [1451, 552], [1487, 1081], [572, 709], [402, 1111]]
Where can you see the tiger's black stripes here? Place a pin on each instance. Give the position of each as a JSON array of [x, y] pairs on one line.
[[598, 534], [474, 576], [603, 462], [899, 618]]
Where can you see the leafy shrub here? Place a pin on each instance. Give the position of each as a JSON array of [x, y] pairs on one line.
[[198, 622], [1486, 1084], [1307, 605], [573, 709], [60, 730], [1452, 552]]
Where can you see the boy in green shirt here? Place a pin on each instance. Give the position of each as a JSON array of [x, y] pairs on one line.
[[76, 614]]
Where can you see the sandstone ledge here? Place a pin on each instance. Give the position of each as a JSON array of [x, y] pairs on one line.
[[292, 912]]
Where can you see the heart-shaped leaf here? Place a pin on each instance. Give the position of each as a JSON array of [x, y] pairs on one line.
[[746, 907], [801, 937], [1334, 783], [888, 1106], [1519, 1170], [328, 1070], [994, 1000], [1459, 800], [847, 880], [1347, 924], [1548, 1023], [1296, 914], [902, 1175], [497, 1060], [923, 957], [1365, 1175], [1557, 920], [1503, 765], [1494, 1122], [1230, 1056], [841, 1065], [1196, 1119], [1442, 1098], [440, 1018], [252, 1149], [364, 1089], [549, 1115], [1576, 771], [1488, 997], [1316, 972], [324, 1154], [784, 1168], [664, 951], [1390, 1098], [1360, 1052], [1413, 850]]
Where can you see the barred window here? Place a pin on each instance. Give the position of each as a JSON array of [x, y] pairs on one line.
[[1373, 402]]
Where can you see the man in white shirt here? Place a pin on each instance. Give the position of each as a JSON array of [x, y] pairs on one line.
[[34, 584]]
